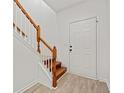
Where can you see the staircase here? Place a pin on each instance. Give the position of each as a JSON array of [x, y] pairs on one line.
[[32, 36], [59, 69]]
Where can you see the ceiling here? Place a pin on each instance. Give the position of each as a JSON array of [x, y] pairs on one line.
[[59, 5]]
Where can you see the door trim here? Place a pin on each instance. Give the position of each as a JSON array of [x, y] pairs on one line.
[[96, 17]]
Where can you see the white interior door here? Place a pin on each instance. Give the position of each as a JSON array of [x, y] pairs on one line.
[[83, 45]]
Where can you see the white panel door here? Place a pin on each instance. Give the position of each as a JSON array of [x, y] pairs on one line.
[[83, 44]]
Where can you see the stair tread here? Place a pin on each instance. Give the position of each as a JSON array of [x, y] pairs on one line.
[[60, 72], [58, 63]]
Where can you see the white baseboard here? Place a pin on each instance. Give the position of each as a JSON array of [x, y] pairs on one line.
[[87, 77], [27, 87], [108, 84], [45, 85]]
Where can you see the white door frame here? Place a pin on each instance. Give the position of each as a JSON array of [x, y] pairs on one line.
[[96, 17]]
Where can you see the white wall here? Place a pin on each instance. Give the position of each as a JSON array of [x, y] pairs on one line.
[[27, 70], [88, 9], [46, 17], [25, 65], [43, 78]]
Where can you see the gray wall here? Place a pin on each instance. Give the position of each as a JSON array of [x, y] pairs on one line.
[[88, 9]]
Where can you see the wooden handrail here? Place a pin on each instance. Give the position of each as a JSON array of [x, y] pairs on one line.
[[26, 14], [44, 42]]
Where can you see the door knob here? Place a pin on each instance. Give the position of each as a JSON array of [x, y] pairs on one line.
[[70, 46]]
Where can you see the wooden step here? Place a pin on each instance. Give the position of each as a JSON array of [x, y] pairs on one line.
[[60, 72], [58, 64]]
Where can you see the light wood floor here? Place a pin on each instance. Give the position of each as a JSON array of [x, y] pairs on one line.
[[72, 84]]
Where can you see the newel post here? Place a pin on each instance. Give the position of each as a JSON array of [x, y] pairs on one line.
[[54, 55], [38, 38]]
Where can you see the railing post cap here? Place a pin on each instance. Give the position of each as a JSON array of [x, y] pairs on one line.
[[54, 47], [38, 27]]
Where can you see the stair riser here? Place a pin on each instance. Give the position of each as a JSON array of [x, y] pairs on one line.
[[58, 66], [58, 76]]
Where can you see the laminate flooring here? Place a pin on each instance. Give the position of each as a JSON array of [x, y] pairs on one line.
[[71, 83]]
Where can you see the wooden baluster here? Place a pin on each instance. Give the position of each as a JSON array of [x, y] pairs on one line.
[[54, 56], [50, 65], [47, 63], [38, 39], [44, 62]]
